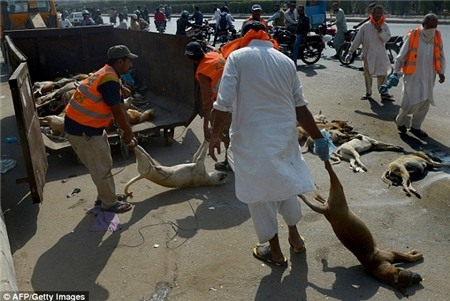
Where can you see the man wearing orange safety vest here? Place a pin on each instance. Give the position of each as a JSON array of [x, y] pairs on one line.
[[94, 105], [209, 71], [420, 59]]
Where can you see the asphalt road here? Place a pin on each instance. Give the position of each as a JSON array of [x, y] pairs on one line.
[[195, 244]]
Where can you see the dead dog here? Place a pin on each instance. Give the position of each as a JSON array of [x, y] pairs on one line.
[[350, 151], [178, 176], [356, 237], [56, 123], [339, 130], [414, 165]]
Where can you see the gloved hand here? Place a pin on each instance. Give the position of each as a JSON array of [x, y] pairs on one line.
[[321, 149]]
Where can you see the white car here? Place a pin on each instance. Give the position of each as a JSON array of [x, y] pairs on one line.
[[75, 18]]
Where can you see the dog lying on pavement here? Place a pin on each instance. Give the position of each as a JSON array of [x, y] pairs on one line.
[[178, 176], [356, 237], [350, 151], [339, 130], [401, 170]]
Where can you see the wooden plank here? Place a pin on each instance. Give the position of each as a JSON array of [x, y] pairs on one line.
[[33, 148]]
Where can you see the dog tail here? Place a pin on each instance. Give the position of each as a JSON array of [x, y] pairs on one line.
[[125, 189], [320, 209]]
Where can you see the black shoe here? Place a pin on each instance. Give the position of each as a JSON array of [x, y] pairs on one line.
[[366, 97], [386, 96], [419, 133], [402, 129]]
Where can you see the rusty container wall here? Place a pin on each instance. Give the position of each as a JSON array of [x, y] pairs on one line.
[[53, 53], [162, 68]]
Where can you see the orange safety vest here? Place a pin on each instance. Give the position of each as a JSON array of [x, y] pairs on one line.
[[414, 36], [211, 66], [87, 106]]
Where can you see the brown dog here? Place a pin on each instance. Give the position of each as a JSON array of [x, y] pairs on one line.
[[413, 165], [356, 237], [339, 130]]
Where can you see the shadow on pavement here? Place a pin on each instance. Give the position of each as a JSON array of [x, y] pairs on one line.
[[310, 70], [386, 110], [213, 213], [75, 262]]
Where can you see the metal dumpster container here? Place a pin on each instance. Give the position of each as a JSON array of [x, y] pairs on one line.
[[46, 54], [161, 67]]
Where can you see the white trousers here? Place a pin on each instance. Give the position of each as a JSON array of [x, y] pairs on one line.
[[413, 115], [264, 216], [95, 153]]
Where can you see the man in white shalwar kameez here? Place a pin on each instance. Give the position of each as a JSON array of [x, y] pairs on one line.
[[261, 89], [373, 36], [418, 83], [341, 26]]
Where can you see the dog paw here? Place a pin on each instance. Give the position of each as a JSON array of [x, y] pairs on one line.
[[416, 253]]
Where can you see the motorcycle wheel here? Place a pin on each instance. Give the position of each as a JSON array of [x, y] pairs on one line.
[[342, 53], [310, 54], [392, 54]]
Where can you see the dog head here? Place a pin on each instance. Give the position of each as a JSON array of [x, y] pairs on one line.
[[402, 278], [217, 178]]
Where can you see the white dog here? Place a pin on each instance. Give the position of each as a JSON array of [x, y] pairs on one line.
[[178, 176], [350, 151]]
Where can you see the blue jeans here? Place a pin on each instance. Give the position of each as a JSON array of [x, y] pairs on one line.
[[297, 43]]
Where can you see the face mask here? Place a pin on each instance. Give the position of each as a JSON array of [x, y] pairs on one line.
[[429, 33]]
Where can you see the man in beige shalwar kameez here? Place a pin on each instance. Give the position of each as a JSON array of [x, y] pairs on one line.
[[373, 36]]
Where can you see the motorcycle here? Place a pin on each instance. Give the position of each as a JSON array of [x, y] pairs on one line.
[[310, 50], [160, 27], [224, 36], [200, 32], [392, 46], [327, 32]]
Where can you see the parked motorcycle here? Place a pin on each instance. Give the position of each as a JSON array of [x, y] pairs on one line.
[[393, 47], [310, 50]]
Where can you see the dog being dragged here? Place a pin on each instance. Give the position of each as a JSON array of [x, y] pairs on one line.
[[356, 237], [178, 176]]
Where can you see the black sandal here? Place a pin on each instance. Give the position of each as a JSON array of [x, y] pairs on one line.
[[119, 207], [120, 198]]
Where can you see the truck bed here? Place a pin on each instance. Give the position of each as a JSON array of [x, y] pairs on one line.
[[161, 67]]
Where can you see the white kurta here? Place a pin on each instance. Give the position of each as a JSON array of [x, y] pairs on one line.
[[419, 86], [373, 49], [341, 26], [268, 164]]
